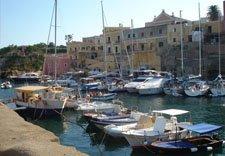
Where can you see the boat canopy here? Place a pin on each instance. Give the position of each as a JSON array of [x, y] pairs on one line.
[[202, 128], [31, 88], [172, 112]]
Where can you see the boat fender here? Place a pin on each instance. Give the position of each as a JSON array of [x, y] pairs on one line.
[[223, 142], [145, 142], [194, 149], [209, 148]]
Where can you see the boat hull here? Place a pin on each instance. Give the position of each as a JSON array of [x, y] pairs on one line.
[[150, 91], [25, 80], [186, 146]]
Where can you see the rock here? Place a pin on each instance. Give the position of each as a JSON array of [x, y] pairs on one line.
[[21, 138]]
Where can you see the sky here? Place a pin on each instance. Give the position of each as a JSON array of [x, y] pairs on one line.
[[24, 22]]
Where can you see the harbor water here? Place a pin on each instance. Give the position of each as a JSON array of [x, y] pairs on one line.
[[73, 130]]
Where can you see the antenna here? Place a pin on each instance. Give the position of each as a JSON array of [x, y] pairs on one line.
[[219, 20], [55, 36], [200, 40], [181, 44]]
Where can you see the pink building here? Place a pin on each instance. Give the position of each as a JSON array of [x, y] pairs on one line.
[[59, 63]]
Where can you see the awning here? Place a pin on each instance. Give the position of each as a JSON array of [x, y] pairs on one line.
[[31, 88], [202, 128], [172, 112]]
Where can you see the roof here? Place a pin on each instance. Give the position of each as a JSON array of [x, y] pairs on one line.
[[172, 112], [202, 128], [31, 88]]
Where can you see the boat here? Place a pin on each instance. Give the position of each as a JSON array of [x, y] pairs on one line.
[[151, 86], [196, 87], [117, 86], [202, 143], [174, 87], [163, 129], [67, 82], [131, 87], [217, 87], [43, 101], [100, 122], [115, 131], [97, 106], [31, 77], [103, 97], [6, 85], [89, 84]]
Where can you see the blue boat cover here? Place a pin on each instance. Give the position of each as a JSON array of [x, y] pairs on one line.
[[203, 128], [174, 144]]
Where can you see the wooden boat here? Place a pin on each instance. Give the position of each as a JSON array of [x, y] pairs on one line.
[[196, 144]]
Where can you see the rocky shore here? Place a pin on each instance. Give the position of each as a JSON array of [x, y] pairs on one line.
[[21, 138]]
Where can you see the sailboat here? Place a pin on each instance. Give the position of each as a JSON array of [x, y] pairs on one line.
[[197, 87], [42, 101], [217, 87]]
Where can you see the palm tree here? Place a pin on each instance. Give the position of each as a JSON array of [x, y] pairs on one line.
[[213, 13]]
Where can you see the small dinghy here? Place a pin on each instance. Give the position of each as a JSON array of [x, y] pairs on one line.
[[202, 143]]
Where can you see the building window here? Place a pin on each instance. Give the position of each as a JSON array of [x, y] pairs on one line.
[[209, 29], [109, 49], [128, 36], [98, 41], [108, 40], [160, 31], [189, 38], [134, 35], [151, 46], [142, 47], [65, 64], [160, 44], [142, 34], [128, 48], [116, 49], [151, 33], [174, 40], [174, 29], [118, 38]]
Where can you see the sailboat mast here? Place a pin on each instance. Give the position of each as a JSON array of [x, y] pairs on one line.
[[104, 38], [219, 44], [181, 44], [200, 45], [132, 47], [55, 35]]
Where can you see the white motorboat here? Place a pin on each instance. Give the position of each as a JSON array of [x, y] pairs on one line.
[[115, 131], [163, 129], [196, 87], [132, 86], [151, 86], [6, 85], [217, 87]]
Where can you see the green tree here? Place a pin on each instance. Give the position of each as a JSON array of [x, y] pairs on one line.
[[213, 13]]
